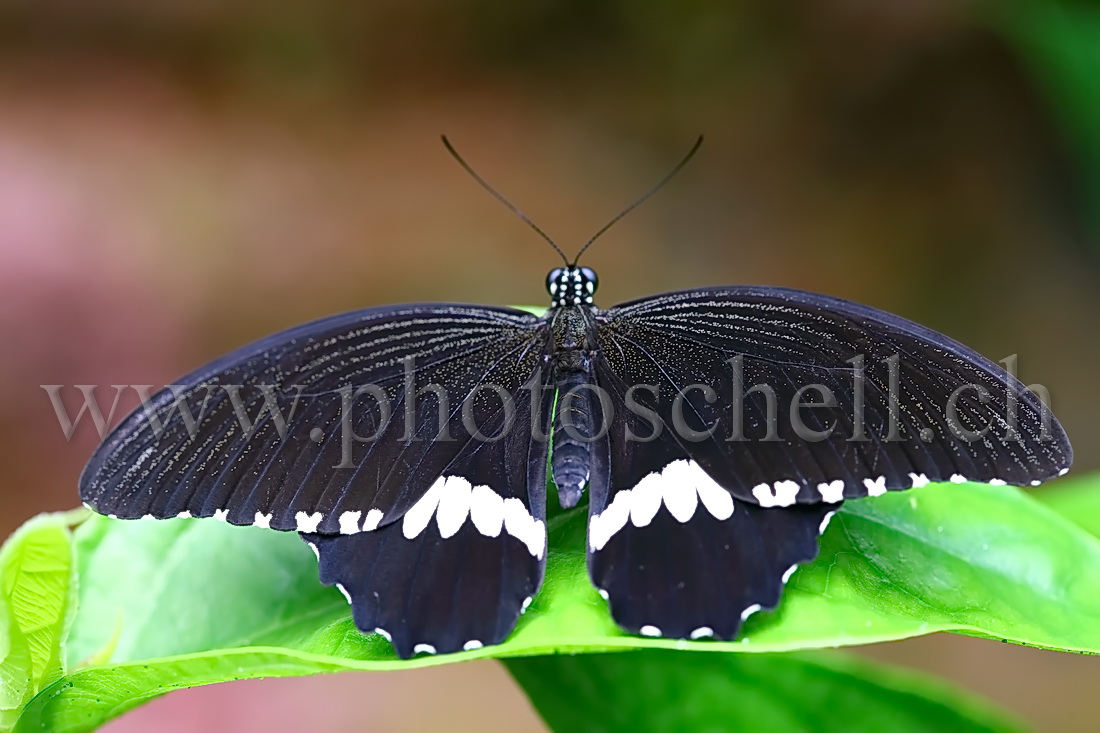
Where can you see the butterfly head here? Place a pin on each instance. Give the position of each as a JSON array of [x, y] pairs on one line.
[[571, 286]]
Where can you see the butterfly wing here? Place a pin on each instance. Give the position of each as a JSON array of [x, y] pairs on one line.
[[706, 502], [864, 401], [461, 566], [316, 428], [676, 554]]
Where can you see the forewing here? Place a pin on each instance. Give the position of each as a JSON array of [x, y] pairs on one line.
[[316, 429], [908, 405]]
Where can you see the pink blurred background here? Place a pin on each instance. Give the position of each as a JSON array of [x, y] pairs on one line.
[[179, 179]]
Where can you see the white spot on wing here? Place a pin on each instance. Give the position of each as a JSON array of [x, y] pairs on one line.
[[919, 480], [648, 630], [262, 520], [383, 633], [680, 486], [221, 514], [789, 572], [344, 590], [423, 649], [526, 604], [786, 491], [603, 526], [316, 552], [645, 500], [472, 644], [702, 631], [752, 609], [519, 523], [716, 499], [451, 499], [832, 492], [487, 511], [876, 487], [1063, 472], [1036, 482], [454, 506], [418, 516], [308, 522], [997, 482], [349, 522], [184, 515], [374, 516], [825, 522], [958, 478], [678, 490], [781, 493]]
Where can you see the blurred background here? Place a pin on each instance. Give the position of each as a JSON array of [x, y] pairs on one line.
[[181, 177]]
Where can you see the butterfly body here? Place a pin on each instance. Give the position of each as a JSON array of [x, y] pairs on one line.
[[573, 377]]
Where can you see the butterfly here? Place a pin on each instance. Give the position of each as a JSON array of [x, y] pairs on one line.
[[713, 432]]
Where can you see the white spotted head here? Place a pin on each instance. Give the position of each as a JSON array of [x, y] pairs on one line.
[[571, 285]]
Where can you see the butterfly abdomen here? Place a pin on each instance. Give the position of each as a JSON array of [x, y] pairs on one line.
[[572, 447], [571, 456]]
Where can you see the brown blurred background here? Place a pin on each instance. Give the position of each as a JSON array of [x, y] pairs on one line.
[[181, 177]]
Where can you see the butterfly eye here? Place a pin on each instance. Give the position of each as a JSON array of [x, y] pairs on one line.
[[590, 276], [553, 280]]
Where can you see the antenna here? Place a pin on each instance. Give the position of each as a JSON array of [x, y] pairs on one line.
[[512, 207], [637, 202]]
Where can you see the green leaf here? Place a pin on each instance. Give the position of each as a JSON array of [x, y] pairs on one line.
[[1077, 499], [664, 690], [985, 561], [171, 604], [35, 590]]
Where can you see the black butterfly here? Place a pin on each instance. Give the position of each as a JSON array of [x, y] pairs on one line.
[[715, 431]]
